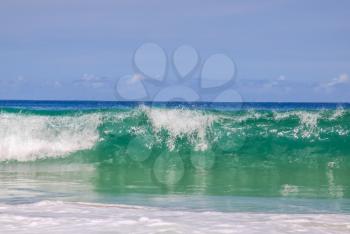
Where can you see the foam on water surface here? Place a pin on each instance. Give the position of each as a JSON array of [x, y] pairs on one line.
[[68, 217]]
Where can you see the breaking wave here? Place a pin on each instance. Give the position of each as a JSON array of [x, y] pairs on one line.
[[27, 135]]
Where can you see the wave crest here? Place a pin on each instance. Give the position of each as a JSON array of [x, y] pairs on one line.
[[30, 137], [181, 122]]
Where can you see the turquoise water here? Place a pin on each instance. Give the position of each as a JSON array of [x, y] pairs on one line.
[[250, 159]]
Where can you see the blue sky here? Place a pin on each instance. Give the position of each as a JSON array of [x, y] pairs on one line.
[[78, 50]]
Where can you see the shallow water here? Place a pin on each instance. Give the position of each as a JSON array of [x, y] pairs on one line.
[[63, 217]]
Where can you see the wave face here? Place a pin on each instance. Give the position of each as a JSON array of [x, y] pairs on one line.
[[30, 135], [282, 152]]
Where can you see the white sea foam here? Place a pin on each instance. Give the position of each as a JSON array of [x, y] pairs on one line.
[[306, 118], [308, 122], [181, 122], [67, 217], [250, 114], [31, 137], [339, 112]]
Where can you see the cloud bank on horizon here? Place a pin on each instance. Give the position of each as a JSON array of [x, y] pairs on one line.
[[77, 50]]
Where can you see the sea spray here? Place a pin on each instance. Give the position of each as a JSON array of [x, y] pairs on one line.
[[27, 136]]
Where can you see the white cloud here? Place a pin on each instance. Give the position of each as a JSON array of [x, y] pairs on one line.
[[135, 78], [341, 79], [13, 82], [20, 78], [275, 82], [281, 78], [93, 81], [57, 84]]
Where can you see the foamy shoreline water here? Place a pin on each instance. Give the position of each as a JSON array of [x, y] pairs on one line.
[[70, 217]]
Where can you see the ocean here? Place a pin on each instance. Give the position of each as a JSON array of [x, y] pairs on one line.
[[131, 167]]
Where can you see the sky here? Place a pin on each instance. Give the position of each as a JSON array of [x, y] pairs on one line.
[[282, 51]]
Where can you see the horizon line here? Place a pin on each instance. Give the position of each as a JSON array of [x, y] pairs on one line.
[[139, 101]]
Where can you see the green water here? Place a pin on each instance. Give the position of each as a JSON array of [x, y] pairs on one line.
[[248, 153]]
